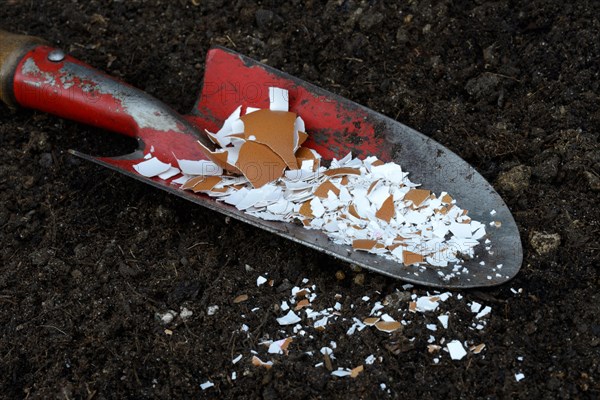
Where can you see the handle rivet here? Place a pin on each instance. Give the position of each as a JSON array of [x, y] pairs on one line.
[[56, 55]]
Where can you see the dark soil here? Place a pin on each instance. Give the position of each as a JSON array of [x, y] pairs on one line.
[[88, 257]]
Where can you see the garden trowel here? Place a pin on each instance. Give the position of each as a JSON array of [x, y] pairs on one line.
[[37, 75]]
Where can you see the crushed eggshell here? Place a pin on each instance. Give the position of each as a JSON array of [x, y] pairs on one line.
[[519, 376], [185, 313], [280, 346], [289, 319], [477, 349], [486, 311], [301, 304], [236, 359], [257, 362], [443, 320], [427, 303], [356, 371], [212, 310], [368, 204], [167, 317], [342, 372], [151, 167], [168, 174], [241, 298], [274, 129], [259, 164], [200, 167], [261, 280], [433, 348], [388, 326], [456, 350], [206, 385], [371, 321]]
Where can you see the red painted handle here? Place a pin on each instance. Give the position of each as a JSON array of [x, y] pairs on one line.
[[47, 80]]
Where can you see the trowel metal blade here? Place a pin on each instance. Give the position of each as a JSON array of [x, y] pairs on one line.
[[337, 126]]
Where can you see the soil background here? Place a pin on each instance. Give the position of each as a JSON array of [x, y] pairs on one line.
[[88, 257]]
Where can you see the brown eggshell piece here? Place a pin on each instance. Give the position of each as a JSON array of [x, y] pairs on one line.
[[219, 158], [371, 321], [417, 196], [342, 171], [206, 184], [304, 153], [387, 210], [355, 371], [259, 164], [306, 209], [388, 326], [363, 244], [324, 188], [192, 182], [274, 129], [411, 258]]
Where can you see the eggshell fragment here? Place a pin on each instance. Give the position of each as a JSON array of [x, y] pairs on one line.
[[323, 189], [241, 298], [206, 184], [371, 321], [151, 167], [363, 244], [257, 362], [412, 258], [387, 210], [259, 164], [356, 371], [417, 196], [388, 326], [477, 349], [274, 129], [342, 171], [456, 350]]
